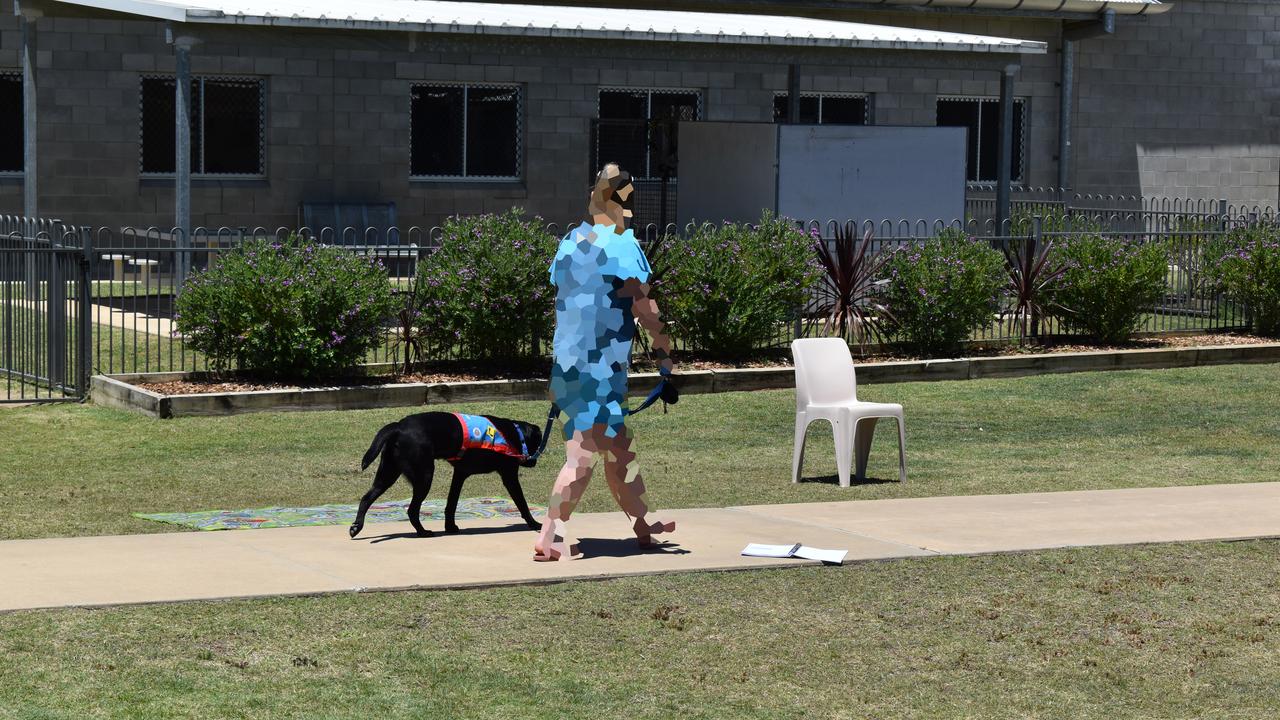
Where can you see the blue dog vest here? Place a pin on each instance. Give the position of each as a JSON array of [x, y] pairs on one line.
[[478, 433]]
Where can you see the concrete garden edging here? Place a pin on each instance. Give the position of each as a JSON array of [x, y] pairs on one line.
[[119, 392]]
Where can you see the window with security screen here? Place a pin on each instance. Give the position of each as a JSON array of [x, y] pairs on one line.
[[226, 126], [982, 117], [825, 109], [465, 131], [637, 129], [10, 122]]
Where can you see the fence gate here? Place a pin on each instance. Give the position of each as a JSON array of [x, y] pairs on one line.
[[44, 314]]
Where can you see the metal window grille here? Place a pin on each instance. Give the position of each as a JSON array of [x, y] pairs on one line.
[[644, 142], [426, 148], [228, 126], [11, 122], [780, 107], [981, 115]]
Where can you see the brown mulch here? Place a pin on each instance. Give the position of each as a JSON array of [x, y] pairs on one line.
[[440, 372]]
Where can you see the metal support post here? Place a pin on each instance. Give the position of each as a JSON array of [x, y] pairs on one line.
[[27, 17], [793, 94], [1004, 157], [1066, 91], [182, 158]]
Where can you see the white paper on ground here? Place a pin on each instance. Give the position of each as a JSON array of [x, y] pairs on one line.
[[797, 550], [774, 551], [826, 556]]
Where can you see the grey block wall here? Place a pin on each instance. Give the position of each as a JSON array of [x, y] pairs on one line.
[[338, 112], [1173, 105], [1182, 104]]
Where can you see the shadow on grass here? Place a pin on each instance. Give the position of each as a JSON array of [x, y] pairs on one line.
[[853, 482]]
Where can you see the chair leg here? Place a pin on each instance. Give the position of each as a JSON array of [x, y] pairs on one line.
[[865, 430], [843, 430], [902, 449], [797, 455]]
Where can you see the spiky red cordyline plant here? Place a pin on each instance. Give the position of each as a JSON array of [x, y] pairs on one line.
[[1030, 275], [850, 280]]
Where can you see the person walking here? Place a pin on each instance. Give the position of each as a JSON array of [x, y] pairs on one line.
[[601, 278]]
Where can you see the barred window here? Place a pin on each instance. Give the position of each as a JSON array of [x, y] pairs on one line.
[[825, 108], [982, 117], [637, 128], [465, 131], [227, 120], [10, 122]]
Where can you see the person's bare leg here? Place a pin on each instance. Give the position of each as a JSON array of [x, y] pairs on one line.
[[554, 541], [622, 472]]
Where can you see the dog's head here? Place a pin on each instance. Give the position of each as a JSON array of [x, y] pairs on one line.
[[532, 441]]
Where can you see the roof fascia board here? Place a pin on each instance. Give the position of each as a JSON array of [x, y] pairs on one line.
[[1026, 47], [764, 6], [157, 10]]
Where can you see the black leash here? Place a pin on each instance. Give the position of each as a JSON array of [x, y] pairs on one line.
[[664, 391]]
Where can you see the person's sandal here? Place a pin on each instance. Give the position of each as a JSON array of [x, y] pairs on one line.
[[645, 532], [557, 552]]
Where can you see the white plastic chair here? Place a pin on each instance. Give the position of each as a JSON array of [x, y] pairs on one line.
[[827, 390]]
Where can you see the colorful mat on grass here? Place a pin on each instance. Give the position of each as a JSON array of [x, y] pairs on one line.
[[277, 517]]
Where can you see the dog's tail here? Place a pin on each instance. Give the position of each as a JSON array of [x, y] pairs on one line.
[[379, 441]]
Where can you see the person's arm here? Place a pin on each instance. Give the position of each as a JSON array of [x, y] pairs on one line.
[[645, 309]]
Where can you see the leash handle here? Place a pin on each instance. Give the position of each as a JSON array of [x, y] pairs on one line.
[[552, 414]]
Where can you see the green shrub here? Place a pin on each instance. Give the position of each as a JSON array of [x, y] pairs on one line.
[[485, 293], [1108, 284], [941, 290], [1247, 269], [289, 309], [729, 289]]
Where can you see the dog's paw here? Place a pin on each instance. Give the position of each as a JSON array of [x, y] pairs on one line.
[[452, 529], [354, 530], [533, 524], [425, 533]]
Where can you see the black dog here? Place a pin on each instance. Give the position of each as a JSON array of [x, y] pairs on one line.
[[411, 446]]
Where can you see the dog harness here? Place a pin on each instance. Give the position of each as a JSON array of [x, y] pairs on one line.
[[478, 433]]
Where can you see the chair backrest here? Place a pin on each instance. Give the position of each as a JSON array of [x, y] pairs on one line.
[[824, 371]]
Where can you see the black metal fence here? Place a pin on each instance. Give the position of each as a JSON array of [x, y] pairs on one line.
[[76, 301]]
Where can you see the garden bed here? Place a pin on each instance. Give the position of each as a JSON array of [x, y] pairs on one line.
[[168, 395]]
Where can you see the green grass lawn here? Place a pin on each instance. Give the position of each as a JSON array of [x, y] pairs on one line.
[[1173, 631], [81, 470], [1182, 630]]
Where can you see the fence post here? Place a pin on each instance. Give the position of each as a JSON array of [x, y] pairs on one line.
[[1223, 220], [56, 320], [1037, 234], [84, 340]]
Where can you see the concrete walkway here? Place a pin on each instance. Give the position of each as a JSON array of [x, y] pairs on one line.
[[169, 567]]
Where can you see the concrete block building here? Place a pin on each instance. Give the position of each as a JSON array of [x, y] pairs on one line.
[[454, 108]]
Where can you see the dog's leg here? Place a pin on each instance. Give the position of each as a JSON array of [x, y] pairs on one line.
[[451, 506], [385, 478], [511, 480], [421, 479]]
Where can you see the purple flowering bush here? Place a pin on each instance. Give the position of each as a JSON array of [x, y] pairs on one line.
[[1107, 285], [727, 289], [485, 294], [939, 291], [286, 310], [1247, 270]]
